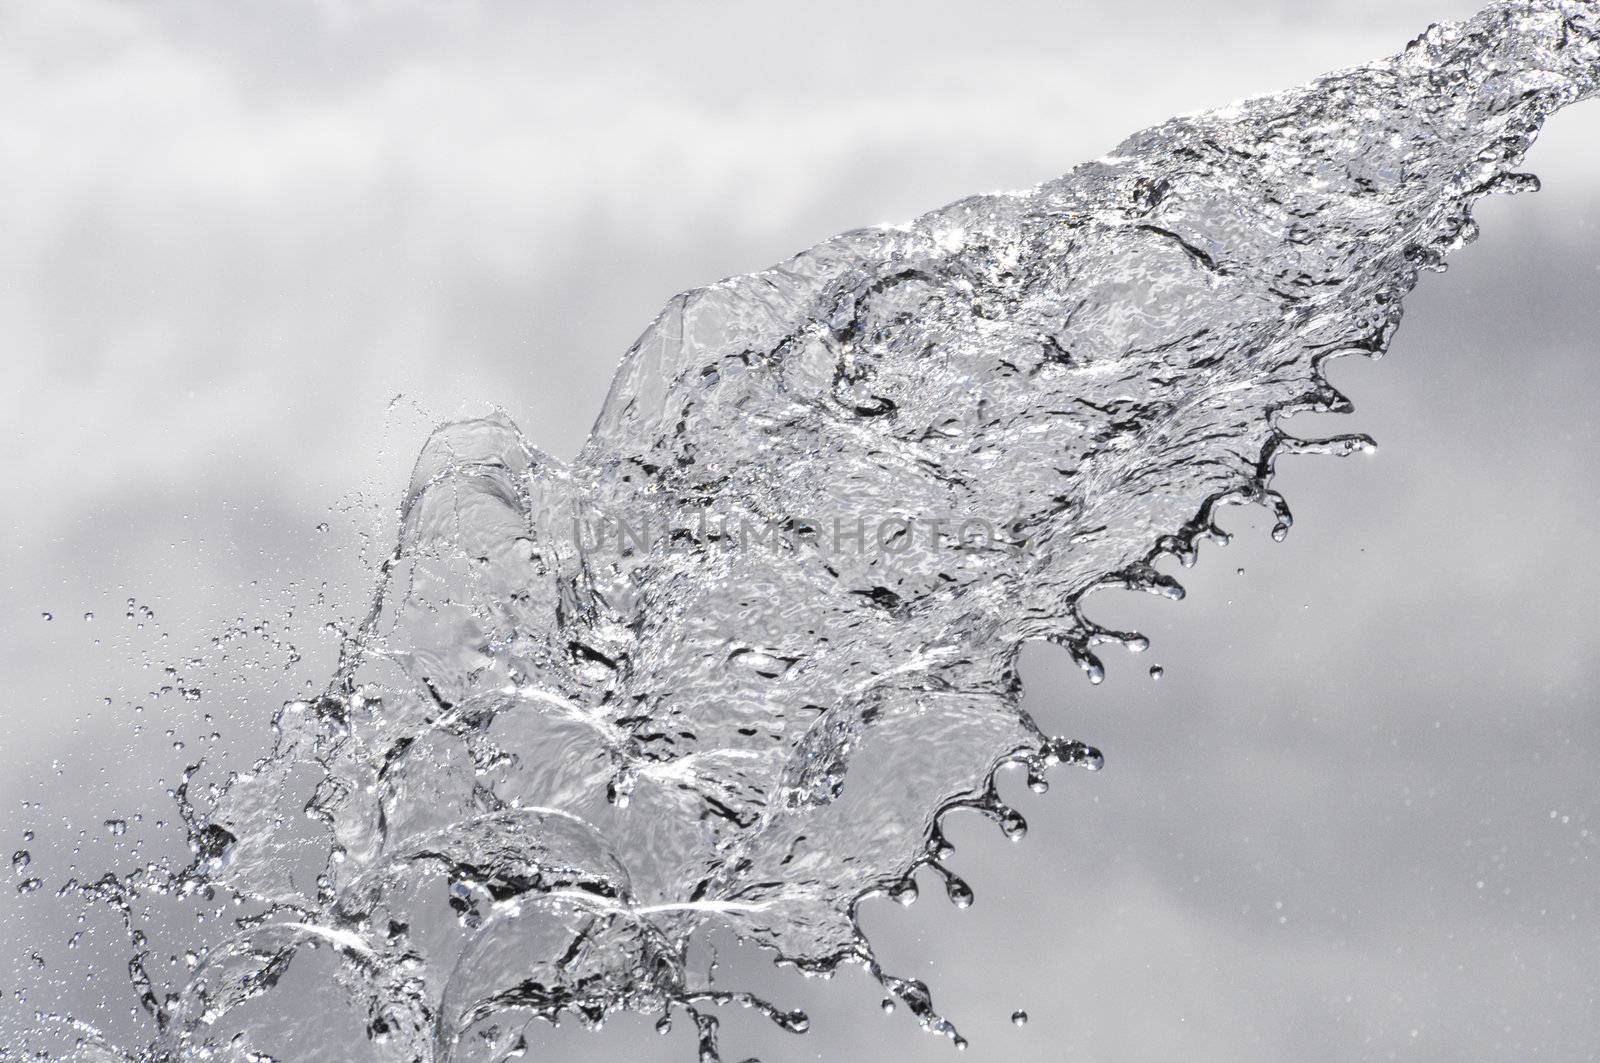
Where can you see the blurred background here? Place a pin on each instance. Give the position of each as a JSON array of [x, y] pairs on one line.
[[252, 252]]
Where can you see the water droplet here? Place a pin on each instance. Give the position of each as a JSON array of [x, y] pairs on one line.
[[48, 616], [1013, 825], [1156, 672], [887, 1005], [88, 616], [1019, 1018], [117, 827], [28, 885], [20, 860]]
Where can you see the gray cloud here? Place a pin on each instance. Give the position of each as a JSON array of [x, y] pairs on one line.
[[232, 236]]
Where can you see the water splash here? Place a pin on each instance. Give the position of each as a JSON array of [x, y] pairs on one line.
[[732, 665]]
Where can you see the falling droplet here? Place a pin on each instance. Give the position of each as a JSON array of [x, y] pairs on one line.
[[1019, 1018], [1012, 825]]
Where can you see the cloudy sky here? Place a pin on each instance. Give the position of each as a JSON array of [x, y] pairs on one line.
[[251, 252]]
